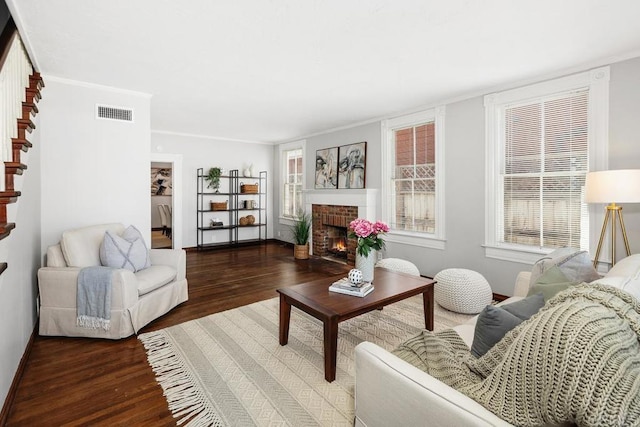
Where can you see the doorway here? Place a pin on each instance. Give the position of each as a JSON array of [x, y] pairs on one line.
[[161, 205], [166, 205]]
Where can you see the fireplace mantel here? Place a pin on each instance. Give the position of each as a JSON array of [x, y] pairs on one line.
[[365, 200]]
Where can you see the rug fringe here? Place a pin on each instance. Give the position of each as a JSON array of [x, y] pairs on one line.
[[186, 400]]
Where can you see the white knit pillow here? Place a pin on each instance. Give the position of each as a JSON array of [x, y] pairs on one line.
[[129, 251]]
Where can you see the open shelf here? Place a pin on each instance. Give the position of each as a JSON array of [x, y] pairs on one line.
[[230, 193]]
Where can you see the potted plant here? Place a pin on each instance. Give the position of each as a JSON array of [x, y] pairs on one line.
[[300, 231], [214, 178]]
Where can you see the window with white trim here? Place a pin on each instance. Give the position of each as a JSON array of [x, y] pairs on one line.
[[292, 158], [541, 142], [413, 160]]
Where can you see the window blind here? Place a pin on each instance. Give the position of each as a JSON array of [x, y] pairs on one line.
[[544, 169]]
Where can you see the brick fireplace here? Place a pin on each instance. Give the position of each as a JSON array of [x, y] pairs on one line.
[[337, 208], [329, 225]]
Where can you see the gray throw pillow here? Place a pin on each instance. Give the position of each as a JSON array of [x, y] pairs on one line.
[[550, 283], [525, 308], [493, 323], [129, 251]]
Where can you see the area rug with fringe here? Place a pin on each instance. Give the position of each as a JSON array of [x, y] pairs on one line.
[[228, 369]]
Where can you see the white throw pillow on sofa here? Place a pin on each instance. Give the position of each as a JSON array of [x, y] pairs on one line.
[[129, 251], [81, 246], [624, 275]]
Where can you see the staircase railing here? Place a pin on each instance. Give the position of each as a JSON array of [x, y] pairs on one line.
[[19, 91]]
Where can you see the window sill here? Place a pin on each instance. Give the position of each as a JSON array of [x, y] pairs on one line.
[[416, 239], [286, 220], [514, 253]]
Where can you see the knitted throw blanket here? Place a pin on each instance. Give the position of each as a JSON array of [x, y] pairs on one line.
[[93, 297], [577, 360]]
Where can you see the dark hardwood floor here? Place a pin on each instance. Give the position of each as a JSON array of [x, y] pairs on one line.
[[81, 381]]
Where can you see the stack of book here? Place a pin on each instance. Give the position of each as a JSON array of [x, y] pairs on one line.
[[344, 286]]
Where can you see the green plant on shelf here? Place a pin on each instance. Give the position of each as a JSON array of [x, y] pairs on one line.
[[214, 178]]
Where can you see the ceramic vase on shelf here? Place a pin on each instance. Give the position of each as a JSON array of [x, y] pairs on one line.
[[366, 265]]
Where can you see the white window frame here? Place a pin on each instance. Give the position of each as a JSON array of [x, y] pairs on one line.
[[282, 151], [427, 240], [597, 81]]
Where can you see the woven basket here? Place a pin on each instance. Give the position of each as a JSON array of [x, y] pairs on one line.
[[219, 206], [301, 251], [249, 188]]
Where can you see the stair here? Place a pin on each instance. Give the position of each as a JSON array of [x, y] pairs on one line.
[[6, 228], [19, 145], [25, 125], [12, 169]]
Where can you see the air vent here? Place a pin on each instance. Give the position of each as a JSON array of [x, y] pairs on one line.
[[114, 113]]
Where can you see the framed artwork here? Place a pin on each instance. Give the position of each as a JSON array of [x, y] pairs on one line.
[[352, 162], [327, 168], [161, 184]]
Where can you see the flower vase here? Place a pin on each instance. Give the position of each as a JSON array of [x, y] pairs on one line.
[[366, 265]]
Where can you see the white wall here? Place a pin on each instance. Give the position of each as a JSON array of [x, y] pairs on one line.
[[94, 171], [205, 153], [21, 251], [624, 139], [465, 172]]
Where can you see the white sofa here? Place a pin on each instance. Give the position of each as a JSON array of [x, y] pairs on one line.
[[136, 298], [392, 392]]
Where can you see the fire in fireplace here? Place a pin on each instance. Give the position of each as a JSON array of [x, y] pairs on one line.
[[337, 237]]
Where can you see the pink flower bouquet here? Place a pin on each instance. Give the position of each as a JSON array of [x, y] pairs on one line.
[[368, 234]]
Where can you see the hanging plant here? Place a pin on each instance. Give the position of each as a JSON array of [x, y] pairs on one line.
[[214, 178]]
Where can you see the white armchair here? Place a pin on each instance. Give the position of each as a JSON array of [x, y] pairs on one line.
[[136, 298]]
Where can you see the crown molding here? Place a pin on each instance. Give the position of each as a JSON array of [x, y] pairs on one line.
[[217, 138], [79, 83]]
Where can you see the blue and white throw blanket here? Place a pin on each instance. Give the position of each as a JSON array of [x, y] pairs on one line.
[[93, 298]]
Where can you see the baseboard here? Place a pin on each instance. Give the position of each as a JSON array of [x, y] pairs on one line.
[[283, 243], [239, 244], [11, 395]]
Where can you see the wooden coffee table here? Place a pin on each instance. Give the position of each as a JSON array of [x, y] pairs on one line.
[[332, 308]]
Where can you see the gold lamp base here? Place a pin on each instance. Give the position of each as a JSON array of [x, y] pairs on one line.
[[613, 211]]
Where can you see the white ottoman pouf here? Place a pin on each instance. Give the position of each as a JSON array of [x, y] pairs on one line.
[[462, 291], [401, 265]]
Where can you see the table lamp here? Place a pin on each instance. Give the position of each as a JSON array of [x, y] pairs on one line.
[[613, 186]]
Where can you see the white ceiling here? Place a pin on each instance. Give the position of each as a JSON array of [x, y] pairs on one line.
[[276, 70]]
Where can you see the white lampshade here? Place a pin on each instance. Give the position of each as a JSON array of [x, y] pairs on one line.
[[613, 186]]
